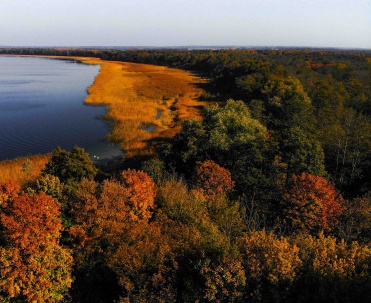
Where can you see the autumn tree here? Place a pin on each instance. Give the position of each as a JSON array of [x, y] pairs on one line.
[[213, 179], [333, 270], [271, 264], [140, 194], [312, 204], [103, 217], [145, 264], [34, 267], [99, 216], [9, 191]]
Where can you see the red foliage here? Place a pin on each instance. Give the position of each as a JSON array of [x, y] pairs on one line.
[[213, 179], [312, 203]]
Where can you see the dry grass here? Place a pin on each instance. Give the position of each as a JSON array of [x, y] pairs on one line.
[[23, 170], [141, 96]]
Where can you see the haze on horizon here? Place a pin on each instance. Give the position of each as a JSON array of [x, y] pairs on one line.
[[307, 23]]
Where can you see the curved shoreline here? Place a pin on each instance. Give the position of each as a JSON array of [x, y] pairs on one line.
[[145, 102]]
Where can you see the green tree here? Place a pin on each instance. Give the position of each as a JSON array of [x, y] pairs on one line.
[[302, 153], [230, 137], [287, 104], [70, 166]]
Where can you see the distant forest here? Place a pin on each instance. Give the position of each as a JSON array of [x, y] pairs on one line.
[[266, 199]]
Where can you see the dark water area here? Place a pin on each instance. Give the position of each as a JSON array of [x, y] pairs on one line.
[[42, 107]]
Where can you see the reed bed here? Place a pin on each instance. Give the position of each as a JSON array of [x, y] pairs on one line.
[[23, 170], [146, 102]]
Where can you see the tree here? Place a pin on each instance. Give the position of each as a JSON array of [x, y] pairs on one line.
[[231, 125], [213, 179], [302, 153], [99, 217], [70, 166], [287, 104], [8, 191], [312, 204], [347, 145], [145, 265], [333, 271], [140, 193], [271, 264], [34, 267], [104, 216], [230, 137]]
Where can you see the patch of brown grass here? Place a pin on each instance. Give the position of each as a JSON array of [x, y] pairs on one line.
[[142, 96], [23, 170]]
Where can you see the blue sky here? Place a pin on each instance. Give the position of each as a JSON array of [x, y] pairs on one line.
[[315, 23]]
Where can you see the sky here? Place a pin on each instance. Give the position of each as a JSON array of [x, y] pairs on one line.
[[309, 23]]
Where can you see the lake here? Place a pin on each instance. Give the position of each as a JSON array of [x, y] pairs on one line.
[[42, 107]]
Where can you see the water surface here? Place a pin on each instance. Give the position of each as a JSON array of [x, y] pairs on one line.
[[42, 107]]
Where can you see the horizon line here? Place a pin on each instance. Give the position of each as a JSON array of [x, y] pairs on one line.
[[190, 47]]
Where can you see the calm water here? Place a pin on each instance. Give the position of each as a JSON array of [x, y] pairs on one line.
[[41, 107]]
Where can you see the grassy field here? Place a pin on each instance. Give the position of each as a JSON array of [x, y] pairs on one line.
[[22, 170], [146, 102]]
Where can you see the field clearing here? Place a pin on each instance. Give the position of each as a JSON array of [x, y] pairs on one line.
[[23, 170], [146, 102]]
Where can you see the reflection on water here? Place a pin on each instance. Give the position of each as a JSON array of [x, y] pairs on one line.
[[41, 107]]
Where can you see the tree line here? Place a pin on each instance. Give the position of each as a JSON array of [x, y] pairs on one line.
[[265, 199]]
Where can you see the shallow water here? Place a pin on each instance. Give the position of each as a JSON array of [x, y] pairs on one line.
[[41, 107]]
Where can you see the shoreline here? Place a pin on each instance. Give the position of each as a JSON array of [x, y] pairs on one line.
[[145, 102]]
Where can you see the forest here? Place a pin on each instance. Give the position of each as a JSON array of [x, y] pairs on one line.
[[266, 198]]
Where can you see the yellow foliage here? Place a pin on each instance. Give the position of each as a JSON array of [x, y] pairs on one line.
[[328, 257], [271, 258]]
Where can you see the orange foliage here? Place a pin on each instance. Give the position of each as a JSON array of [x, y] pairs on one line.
[[8, 191], [32, 263], [100, 216], [145, 265], [213, 179], [103, 212], [140, 192], [312, 203]]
